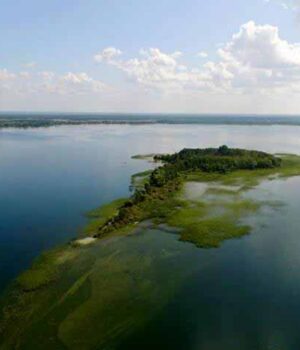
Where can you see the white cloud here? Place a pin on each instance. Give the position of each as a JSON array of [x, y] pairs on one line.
[[49, 82], [254, 71], [255, 58], [107, 54], [202, 54], [259, 46], [78, 82], [5, 75], [158, 70]]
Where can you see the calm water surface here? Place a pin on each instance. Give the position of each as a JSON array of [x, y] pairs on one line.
[[246, 296]]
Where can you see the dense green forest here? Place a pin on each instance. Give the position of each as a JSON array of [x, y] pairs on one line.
[[165, 180], [222, 159]]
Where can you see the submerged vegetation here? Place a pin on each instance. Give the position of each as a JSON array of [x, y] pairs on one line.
[[88, 297]]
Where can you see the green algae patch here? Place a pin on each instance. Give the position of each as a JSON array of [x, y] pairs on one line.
[[243, 207], [221, 191], [210, 233], [45, 269], [188, 214], [210, 222]]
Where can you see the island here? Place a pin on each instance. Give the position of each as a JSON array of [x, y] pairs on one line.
[[134, 254]]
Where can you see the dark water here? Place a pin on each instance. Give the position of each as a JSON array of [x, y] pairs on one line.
[[246, 295], [50, 177]]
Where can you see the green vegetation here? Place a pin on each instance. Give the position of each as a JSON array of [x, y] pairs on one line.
[[221, 160], [149, 157], [210, 232], [45, 269], [109, 291], [209, 222], [139, 180], [156, 197], [100, 215], [78, 297]]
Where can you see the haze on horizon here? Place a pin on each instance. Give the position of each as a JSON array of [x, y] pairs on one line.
[[195, 56]]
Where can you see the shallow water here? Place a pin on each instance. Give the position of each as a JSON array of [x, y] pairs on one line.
[[244, 295], [150, 290], [50, 177]]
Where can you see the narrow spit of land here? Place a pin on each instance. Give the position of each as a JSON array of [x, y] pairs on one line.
[[90, 285]]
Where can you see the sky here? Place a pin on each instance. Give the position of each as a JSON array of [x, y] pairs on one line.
[[142, 56]]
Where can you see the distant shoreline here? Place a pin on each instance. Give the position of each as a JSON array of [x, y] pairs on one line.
[[27, 120]]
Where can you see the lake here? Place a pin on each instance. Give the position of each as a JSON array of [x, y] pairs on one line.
[[244, 295]]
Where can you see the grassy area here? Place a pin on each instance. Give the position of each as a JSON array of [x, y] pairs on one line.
[[97, 217], [139, 180]]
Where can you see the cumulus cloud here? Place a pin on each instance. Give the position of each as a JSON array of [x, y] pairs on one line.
[[256, 57], [79, 82], [49, 82], [156, 69], [255, 61], [108, 54], [259, 46], [202, 54]]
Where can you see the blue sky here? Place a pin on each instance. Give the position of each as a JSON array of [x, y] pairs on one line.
[[52, 56]]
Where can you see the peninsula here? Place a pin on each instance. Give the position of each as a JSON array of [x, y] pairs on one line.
[[130, 260]]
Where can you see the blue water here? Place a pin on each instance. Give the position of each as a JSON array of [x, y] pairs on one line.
[[50, 177], [204, 119], [244, 295]]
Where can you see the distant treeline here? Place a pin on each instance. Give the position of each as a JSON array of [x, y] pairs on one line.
[[166, 179], [40, 123], [37, 120]]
